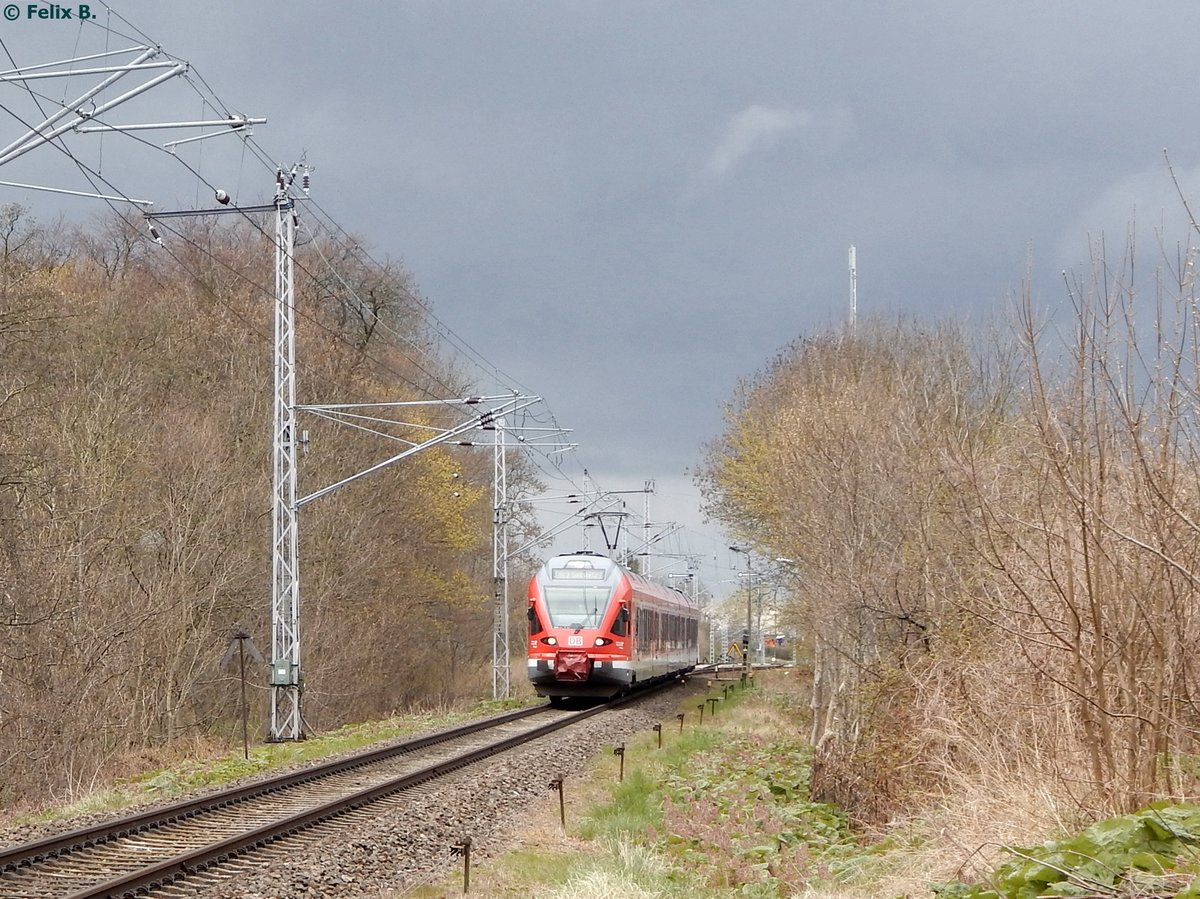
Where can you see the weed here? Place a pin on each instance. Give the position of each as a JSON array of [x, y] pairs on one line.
[[1153, 852]]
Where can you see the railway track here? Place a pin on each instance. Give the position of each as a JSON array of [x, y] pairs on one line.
[[165, 847]]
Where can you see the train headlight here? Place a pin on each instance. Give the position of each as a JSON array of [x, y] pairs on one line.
[[602, 641], [550, 641]]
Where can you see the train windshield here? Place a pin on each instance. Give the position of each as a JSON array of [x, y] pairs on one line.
[[576, 607]]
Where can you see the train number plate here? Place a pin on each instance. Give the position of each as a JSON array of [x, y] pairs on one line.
[[575, 640]]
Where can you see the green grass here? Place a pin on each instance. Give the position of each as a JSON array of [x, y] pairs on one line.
[[721, 809], [218, 769], [635, 805], [627, 869], [634, 808], [552, 868]]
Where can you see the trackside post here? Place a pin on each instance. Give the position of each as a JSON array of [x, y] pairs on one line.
[[464, 849], [557, 784]]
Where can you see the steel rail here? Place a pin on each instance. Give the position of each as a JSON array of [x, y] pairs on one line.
[[164, 873], [15, 857]]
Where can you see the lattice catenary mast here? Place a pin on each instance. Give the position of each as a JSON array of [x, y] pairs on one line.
[[286, 723]]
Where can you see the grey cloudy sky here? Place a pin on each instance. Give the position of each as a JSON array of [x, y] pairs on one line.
[[628, 205]]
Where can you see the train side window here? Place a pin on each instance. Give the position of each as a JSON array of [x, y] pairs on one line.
[[621, 624], [535, 623]]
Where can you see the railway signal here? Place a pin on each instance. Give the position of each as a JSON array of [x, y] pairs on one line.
[[746, 551]]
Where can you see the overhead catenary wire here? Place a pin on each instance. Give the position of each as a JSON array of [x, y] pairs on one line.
[[93, 177], [209, 96], [303, 267], [547, 463]]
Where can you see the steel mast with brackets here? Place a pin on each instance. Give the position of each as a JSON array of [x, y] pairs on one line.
[[73, 118], [285, 682], [83, 109], [501, 551], [492, 418]]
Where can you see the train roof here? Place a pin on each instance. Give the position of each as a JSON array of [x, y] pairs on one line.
[[643, 584]]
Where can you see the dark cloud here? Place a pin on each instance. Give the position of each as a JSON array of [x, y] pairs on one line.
[[628, 205]]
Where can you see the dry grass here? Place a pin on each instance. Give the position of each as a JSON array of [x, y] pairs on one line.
[[955, 835]]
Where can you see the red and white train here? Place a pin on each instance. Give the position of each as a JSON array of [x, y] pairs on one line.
[[598, 629]]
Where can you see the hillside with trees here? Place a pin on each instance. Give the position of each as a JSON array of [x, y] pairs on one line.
[[135, 495], [994, 545]]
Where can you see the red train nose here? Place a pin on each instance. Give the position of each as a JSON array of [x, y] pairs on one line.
[[572, 666]]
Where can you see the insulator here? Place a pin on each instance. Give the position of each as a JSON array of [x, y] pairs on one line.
[[305, 182]]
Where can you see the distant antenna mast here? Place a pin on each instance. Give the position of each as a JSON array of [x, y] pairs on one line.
[[853, 289]]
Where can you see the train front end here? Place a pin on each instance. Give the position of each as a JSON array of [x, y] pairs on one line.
[[579, 628]]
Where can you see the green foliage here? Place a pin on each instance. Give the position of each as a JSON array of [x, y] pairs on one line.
[[548, 869], [726, 807], [741, 816], [633, 809], [1143, 854], [545, 867], [496, 706], [634, 805]]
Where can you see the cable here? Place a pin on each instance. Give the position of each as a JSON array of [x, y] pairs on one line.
[[548, 463], [441, 327]]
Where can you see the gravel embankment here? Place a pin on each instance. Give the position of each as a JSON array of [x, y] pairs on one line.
[[405, 841], [408, 841]]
